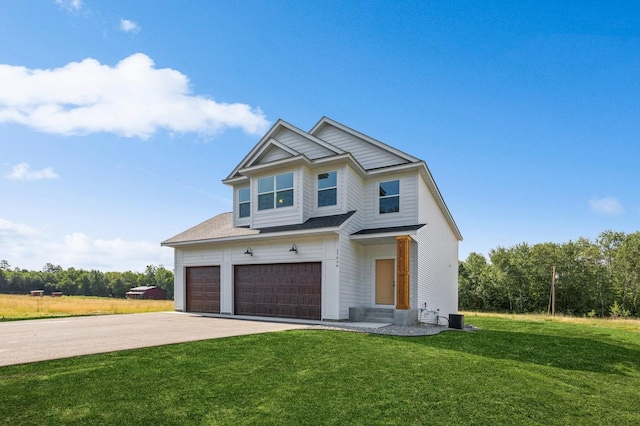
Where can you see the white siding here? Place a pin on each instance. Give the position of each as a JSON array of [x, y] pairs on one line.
[[352, 292], [437, 258], [310, 249], [408, 214], [354, 186], [308, 203], [237, 220], [302, 145], [272, 154], [178, 281], [313, 193], [369, 156], [278, 216]]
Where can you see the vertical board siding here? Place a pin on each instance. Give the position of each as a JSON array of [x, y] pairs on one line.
[[437, 258], [302, 145], [369, 156]]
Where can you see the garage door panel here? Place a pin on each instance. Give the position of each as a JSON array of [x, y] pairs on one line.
[[203, 289], [288, 290]]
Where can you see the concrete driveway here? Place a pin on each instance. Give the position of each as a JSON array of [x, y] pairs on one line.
[[40, 340]]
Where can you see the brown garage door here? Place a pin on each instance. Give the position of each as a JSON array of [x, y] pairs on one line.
[[286, 290], [203, 289]]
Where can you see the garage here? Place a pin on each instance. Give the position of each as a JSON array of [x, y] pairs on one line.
[[203, 289], [284, 290]]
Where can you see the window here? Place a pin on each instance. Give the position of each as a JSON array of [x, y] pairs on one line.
[[244, 202], [275, 191], [389, 198], [327, 189]]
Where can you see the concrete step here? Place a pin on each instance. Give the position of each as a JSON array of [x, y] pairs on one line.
[[375, 318]]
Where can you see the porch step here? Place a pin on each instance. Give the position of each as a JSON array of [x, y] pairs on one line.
[[382, 315]]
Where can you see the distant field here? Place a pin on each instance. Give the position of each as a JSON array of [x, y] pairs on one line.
[[14, 307], [630, 324]]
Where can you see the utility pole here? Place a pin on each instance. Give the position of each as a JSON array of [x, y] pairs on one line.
[[552, 296]]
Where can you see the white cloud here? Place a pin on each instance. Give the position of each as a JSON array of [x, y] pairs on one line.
[[129, 26], [606, 206], [132, 99], [115, 255], [71, 5], [10, 229], [22, 171], [27, 247]]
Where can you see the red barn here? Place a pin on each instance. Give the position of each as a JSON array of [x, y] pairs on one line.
[[147, 292]]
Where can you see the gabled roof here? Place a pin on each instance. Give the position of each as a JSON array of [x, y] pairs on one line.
[[269, 140], [221, 228], [399, 156]]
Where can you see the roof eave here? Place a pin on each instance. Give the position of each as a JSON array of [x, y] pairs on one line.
[[255, 237]]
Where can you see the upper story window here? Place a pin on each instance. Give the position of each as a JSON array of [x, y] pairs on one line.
[[327, 189], [275, 191], [244, 202], [389, 198]]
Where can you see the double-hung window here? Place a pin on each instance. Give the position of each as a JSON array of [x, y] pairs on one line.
[[389, 197], [275, 191], [244, 202], [327, 189]]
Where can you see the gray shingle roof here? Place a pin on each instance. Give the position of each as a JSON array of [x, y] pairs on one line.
[[389, 229], [221, 226]]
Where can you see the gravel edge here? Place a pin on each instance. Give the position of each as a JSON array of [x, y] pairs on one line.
[[392, 329]]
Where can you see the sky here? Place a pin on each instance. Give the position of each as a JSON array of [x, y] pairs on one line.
[[119, 119]]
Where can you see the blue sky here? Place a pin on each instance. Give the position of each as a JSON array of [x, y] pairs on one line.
[[118, 119]]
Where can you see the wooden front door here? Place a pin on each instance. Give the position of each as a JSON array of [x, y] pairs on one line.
[[385, 281]]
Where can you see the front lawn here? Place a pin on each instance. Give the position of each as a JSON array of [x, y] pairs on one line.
[[511, 372]]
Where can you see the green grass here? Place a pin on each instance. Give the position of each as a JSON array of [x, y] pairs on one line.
[[511, 372]]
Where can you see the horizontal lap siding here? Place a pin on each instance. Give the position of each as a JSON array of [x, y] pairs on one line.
[[302, 145], [352, 292], [274, 153], [437, 258], [408, 214], [354, 185], [369, 156], [283, 215]]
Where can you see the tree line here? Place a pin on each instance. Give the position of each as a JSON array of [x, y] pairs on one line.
[[79, 282], [598, 277]]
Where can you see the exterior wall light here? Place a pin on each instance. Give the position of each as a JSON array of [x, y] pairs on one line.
[[294, 249], [249, 252]]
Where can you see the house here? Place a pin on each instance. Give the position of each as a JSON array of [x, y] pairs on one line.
[[328, 224], [147, 292]]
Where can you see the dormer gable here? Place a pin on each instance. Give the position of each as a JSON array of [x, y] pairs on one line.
[[272, 151], [283, 141]]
